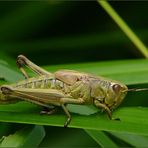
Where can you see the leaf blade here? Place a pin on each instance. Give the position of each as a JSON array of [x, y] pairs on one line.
[[103, 140], [133, 119]]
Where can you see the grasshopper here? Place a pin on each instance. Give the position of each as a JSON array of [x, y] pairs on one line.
[[63, 87]]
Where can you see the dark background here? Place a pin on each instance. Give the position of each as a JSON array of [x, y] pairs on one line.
[[69, 32]]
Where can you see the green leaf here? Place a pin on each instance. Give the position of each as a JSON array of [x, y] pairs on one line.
[[101, 138], [30, 136], [4, 128], [133, 73], [67, 137], [82, 109], [133, 119], [134, 140], [9, 74], [7, 60], [9, 71]]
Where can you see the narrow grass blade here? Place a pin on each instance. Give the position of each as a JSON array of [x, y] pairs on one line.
[[101, 138], [126, 29]]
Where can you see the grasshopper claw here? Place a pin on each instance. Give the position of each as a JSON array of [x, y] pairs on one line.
[[67, 122]]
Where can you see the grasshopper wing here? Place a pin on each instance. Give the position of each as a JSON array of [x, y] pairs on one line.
[[68, 76]]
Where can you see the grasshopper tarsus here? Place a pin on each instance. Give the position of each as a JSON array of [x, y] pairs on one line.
[[67, 122]]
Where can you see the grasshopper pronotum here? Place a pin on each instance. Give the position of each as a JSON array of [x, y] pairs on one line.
[[63, 87]]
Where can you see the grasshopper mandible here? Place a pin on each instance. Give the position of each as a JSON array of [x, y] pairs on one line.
[[63, 87]]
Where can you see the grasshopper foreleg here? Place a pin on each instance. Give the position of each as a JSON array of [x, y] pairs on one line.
[[23, 61], [104, 107]]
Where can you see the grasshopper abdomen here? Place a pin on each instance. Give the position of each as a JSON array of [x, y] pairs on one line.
[[42, 82]]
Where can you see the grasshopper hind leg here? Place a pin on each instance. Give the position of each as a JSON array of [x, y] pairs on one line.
[[41, 97], [23, 61]]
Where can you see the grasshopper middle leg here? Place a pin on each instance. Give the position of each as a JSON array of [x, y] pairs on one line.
[[69, 101]]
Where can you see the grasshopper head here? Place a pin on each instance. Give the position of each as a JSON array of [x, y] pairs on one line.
[[115, 95]]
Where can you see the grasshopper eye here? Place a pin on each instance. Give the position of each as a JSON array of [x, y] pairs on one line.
[[116, 88]]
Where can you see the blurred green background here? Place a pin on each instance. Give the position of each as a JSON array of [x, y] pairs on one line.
[[69, 32], [65, 32]]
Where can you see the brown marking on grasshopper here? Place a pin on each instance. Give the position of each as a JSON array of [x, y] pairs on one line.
[[63, 87]]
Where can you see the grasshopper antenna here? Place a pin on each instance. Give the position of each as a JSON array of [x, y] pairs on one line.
[[137, 89]]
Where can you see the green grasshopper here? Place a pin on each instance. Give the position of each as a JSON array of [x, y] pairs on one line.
[[63, 87]]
